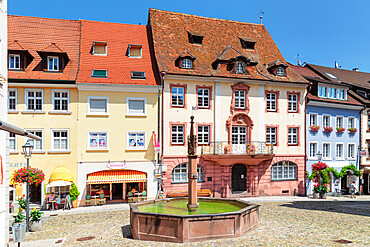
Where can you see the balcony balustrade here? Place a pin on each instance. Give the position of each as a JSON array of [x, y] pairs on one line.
[[224, 147]]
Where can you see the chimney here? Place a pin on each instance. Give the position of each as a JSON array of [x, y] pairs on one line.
[[356, 69]]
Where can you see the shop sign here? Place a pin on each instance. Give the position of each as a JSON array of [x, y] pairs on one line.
[[117, 165], [363, 152], [17, 164]]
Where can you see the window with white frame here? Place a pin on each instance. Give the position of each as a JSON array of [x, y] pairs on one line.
[[313, 119], [60, 100], [351, 151], [284, 170], [38, 145], [293, 136], [312, 150], [292, 102], [97, 105], [12, 99], [12, 142], [187, 64], [271, 101], [99, 48], [203, 97], [180, 173], [239, 135], [177, 134], [239, 68], [203, 134], [239, 98], [325, 121], [178, 94], [271, 135], [339, 151], [60, 140], [98, 140], [14, 61], [339, 122], [135, 140], [136, 106], [326, 155], [280, 71], [34, 99], [135, 51], [53, 63], [351, 122]]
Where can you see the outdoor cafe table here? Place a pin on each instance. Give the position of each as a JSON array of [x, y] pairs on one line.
[[95, 197]]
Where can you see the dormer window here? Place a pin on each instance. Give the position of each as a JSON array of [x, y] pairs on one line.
[[135, 51], [280, 71], [239, 68], [14, 62], [99, 73], [195, 38], [53, 63], [187, 64], [137, 75], [100, 48], [247, 43]]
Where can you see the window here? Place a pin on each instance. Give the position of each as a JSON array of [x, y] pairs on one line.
[[333, 93], [203, 134], [239, 98], [326, 121], [60, 100], [324, 92], [326, 155], [195, 39], [135, 51], [99, 73], [292, 102], [34, 99], [137, 75], [271, 101], [313, 150], [339, 122], [293, 136], [178, 96], [136, 106], [177, 134], [239, 135], [351, 151], [203, 97], [341, 94], [38, 145], [53, 63], [97, 105], [331, 76], [368, 121], [14, 62], [280, 71], [271, 135], [180, 174], [313, 119], [339, 151], [246, 44], [97, 140], [100, 48], [12, 142], [59, 140], [136, 140], [239, 68], [283, 170], [351, 122], [187, 64], [12, 99]]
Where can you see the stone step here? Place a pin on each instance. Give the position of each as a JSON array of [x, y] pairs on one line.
[[241, 194]]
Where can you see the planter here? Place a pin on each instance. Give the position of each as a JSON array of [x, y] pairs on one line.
[[322, 195], [74, 204], [19, 232], [315, 195], [35, 226]]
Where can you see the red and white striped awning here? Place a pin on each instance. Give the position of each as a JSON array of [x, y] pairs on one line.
[[121, 176]]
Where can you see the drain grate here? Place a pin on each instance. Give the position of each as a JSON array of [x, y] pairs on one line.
[[343, 241], [85, 238]]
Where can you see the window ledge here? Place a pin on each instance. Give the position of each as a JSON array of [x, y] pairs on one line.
[[13, 112], [96, 115], [339, 159], [204, 108], [328, 159], [129, 149], [281, 180], [60, 112], [177, 106], [135, 115], [33, 112], [293, 144], [59, 151], [36, 152], [292, 112], [13, 152], [312, 158], [351, 158], [275, 111], [97, 150]]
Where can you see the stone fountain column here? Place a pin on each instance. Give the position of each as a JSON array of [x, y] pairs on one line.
[[192, 168]]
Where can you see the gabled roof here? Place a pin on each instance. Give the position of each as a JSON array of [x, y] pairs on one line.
[[37, 33], [52, 48], [305, 71], [170, 36], [118, 37], [15, 45]]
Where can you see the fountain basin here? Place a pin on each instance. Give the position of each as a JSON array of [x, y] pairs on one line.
[[160, 220]]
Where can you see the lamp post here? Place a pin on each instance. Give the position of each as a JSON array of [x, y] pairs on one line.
[[27, 150]]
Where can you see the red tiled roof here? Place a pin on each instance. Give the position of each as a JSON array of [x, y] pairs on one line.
[[16, 46], [34, 34], [118, 38], [52, 47], [221, 39], [305, 71]]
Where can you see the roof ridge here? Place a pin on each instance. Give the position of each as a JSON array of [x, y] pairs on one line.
[[107, 22], [49, 18], [347, 70]]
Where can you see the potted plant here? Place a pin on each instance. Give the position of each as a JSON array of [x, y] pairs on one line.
[[352, 130], [340, 130], [323, 191], [35, 224], [328, 129], [314, 128], [316, 191], [22, 202], [74, 193], [18, 228], [28, 175], [18, 217]]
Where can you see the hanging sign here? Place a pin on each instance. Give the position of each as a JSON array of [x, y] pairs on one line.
[[117, 165], [363, 152]]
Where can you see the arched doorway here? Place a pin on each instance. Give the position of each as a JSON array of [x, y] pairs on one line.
[[239, 180]]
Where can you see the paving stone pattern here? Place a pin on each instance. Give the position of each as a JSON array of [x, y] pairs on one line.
[[299, 223]]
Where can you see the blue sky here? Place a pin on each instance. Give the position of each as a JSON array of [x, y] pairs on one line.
[[320, 31]]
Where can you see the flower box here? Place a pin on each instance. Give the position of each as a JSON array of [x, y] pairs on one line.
[[340, 130], [352, 130], [328, 129], [314, 128]]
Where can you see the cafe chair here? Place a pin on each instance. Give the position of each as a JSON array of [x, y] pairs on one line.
[[102, 200], [130, 197], [143, 196], [88, 200]]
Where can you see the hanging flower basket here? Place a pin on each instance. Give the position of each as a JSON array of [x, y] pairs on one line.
[[314, 128], [28, 175], [352, 130], [340, 130], [328, 129]]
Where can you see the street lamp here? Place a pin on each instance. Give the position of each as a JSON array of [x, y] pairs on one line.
[[27, 150]]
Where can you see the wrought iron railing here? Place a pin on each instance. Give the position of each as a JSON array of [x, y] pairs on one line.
[[249, 148]]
